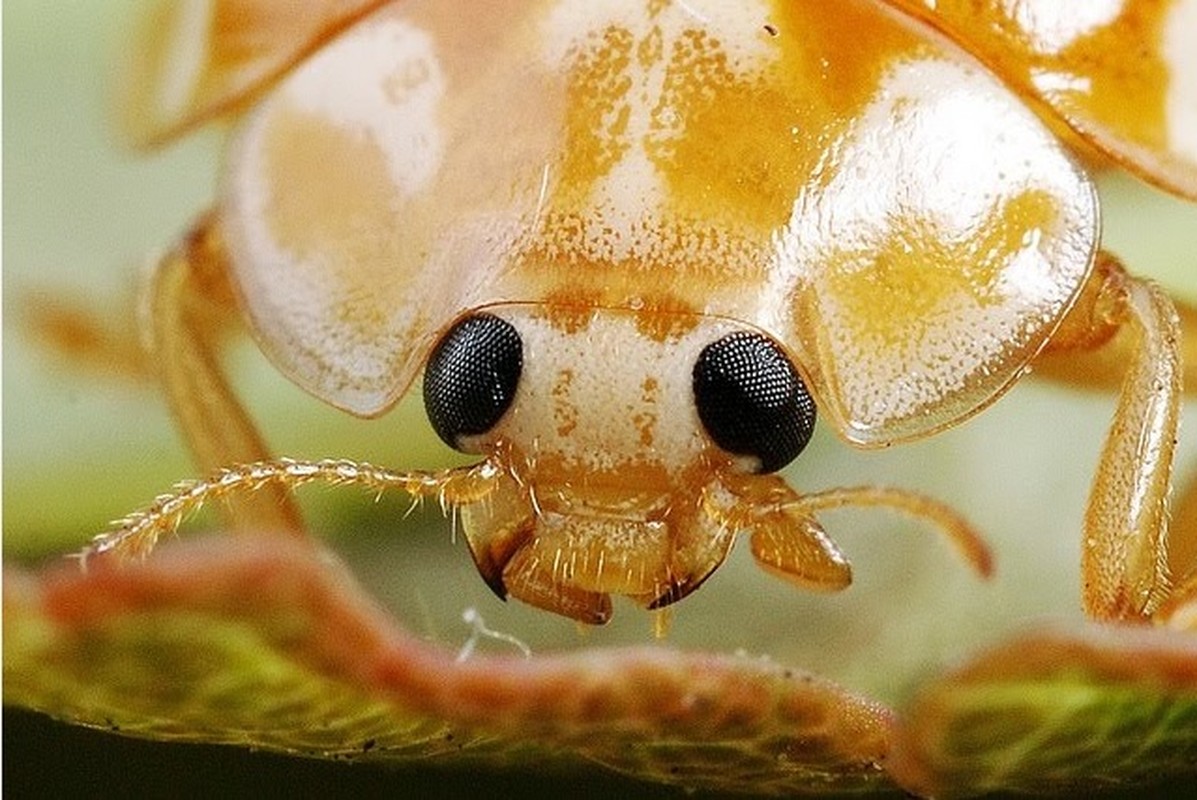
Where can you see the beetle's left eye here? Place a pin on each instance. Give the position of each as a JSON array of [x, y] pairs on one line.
[[471, 376], [752, 401]]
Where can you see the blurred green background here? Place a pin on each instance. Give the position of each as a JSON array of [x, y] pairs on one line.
[[81, 218]]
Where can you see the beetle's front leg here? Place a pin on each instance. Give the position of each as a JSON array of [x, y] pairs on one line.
[[1124, 558], [186, 305]]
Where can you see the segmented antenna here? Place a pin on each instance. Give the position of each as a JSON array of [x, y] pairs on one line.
[[136, 534]]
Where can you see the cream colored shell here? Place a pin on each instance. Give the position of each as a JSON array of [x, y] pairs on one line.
[[832, 173]]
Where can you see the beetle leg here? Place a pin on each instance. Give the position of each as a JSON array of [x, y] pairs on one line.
[[1095, 327], [85, 338], [187, 303], [1179, 611], [1182, 545], [1124, 556]]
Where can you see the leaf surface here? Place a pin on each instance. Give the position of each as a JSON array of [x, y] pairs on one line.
[[269, 643], [1058, 711]]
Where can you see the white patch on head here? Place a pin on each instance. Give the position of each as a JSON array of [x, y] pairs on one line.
[[382, 81], [620, 385], [1181, 56]]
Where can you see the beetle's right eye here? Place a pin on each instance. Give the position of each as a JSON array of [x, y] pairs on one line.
[[470, 378], [751, 400]]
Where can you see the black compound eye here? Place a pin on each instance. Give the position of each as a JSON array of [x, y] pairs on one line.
[[752, 401], [470, 378]]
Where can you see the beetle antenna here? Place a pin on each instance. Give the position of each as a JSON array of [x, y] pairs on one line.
[[959, 531], [136, 534]]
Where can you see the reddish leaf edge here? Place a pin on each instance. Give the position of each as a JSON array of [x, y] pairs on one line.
[[809, 731], [1156, 662]]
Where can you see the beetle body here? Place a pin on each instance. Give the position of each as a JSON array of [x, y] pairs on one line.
[[598, 169], [622, 204]]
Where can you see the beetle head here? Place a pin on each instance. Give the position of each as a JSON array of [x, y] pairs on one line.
[[625, 440]]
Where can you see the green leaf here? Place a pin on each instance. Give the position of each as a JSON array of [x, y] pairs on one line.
[[1059, 711], [269, 643]]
